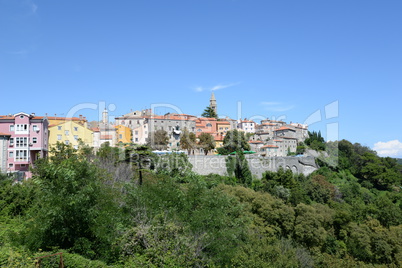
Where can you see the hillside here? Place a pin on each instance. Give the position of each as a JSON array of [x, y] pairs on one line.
[[93, 208]]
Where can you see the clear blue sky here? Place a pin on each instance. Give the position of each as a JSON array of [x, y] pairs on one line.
[[279, 59]]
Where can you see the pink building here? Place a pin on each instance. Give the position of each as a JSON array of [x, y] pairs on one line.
[[27, 141]]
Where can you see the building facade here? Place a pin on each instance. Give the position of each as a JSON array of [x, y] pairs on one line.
[[28, 141], [70, 133]]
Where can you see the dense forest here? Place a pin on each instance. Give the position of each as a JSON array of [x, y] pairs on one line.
[[125, 207]]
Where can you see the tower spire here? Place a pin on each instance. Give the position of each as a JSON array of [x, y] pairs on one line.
[[212, 103]]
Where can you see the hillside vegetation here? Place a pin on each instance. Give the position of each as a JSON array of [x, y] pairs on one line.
[[92, 208]]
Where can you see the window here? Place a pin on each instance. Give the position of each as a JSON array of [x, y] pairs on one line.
[[21, 155], [11, 141], [209, 125], [22, 127], [59, 137], [75, 128], [76, 137], [21, 116], [170, 128], [35, 128], [66, 132], [67, 142], [136, 132], [136, 139], [12, 128], [10, 165], [11, 154], [34, 140], [58, 127], [120, 136], [21, 141]]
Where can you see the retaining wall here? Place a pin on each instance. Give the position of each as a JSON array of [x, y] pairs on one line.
[[205, 164]]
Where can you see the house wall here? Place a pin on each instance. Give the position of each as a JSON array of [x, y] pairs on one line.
[[70, 132], [3, 153]]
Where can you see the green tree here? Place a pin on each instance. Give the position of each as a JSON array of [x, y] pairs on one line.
[[140, 156], [206, 142], [188, 141], [75, 207], [315, 141], [238, 166], [235, 141], [158, 140], [209, 112]]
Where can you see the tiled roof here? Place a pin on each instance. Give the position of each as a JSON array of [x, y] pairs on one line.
[[66, 118], [269, 146], [255, 142], [4, 134], [206, 119], [6, 117], [284, 128], [106, 137]]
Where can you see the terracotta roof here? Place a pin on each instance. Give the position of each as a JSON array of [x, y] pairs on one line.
[[284, 128], [6, 117], [171, 117], [223, 123], [269, 146], [278, 140], [96, 129], [255, 142], [206, 119], [4, 134], [106, 137], [66, 118]]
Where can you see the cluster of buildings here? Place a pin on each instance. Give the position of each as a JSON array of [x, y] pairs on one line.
[[27, 137]]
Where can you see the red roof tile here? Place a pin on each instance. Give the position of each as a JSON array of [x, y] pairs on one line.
[[269, 146]]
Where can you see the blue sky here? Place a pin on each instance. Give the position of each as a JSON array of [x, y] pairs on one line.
[[334, 64]]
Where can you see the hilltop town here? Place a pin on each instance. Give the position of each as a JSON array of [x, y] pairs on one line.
[[27, 137]]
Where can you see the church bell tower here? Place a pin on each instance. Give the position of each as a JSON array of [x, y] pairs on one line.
[[212, 103]]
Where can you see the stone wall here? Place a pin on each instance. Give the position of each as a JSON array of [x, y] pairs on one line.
[[216, 164]]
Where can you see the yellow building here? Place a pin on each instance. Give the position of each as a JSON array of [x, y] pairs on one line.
[[222, 127], [124, 134], [70, 132]]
